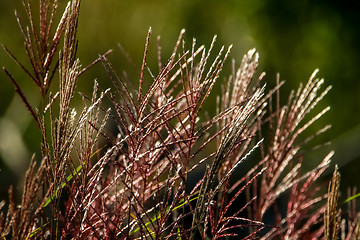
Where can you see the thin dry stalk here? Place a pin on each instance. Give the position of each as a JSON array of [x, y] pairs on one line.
[[332, 215]]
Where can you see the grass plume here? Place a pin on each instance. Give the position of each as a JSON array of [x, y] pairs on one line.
[[141, 185]]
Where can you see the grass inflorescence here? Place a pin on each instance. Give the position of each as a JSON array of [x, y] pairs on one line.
[[142, 183]]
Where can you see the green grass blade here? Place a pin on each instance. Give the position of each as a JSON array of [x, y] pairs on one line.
[[352, 197], [68, 179], [158, 215], [36, 231]]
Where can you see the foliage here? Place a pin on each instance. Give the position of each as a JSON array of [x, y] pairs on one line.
[[141, 184]]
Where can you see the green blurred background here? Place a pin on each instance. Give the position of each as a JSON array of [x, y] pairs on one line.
[[292, 37]]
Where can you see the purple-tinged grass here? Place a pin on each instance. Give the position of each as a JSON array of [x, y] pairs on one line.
[[143, 184]]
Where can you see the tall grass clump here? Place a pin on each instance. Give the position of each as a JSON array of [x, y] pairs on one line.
[[170, 171]]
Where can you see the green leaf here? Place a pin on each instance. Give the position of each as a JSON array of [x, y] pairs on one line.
[[179, 231], [68, 179], [351, 198], [36, 231], [158, 215]]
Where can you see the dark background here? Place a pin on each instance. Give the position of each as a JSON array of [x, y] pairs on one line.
[[292, 38]]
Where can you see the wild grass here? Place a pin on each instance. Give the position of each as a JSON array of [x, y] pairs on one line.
[[142, 185]]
